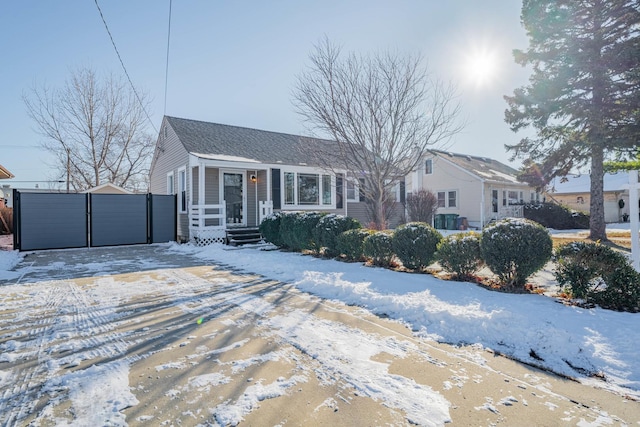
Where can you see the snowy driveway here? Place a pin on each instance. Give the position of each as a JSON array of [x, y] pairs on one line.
[[149, 335]]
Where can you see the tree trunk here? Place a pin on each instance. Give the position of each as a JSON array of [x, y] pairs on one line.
[[597, 225]]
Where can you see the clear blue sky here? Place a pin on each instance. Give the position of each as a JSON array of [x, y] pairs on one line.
[[235, 62]]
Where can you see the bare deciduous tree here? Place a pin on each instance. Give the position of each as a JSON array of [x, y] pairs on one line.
[[422, 205], [383, 110], [96, 129]]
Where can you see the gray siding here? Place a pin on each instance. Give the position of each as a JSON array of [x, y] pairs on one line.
[[118, 219], [52, 221], [358, 210], [169, 156]]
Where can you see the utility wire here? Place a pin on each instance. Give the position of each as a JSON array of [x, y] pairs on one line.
[[125, 68], [166, 71]]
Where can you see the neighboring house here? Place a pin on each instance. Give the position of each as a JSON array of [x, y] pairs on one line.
[[574, 191], [230, 177], [107, 188], [4, 197], [476, 188]]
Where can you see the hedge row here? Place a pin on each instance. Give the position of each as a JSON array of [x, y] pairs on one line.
[[513, 249]]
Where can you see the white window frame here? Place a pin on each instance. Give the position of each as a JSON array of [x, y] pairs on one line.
[[428, 170], [182, 189], [171, 183], [355, 196], [447, 200], [296, 202]]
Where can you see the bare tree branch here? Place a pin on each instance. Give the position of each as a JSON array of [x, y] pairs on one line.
[[96, 126], [384, 112]]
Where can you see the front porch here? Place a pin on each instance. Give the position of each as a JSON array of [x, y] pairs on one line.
[[224, 200]]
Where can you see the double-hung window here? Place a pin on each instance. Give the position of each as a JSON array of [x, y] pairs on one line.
[[428, 166], [171, 189], [308, 189], [447, 199]]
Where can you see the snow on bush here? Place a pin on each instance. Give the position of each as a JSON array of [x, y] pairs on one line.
[[514, 249], [415, 244], [329, 228], [460, 254]]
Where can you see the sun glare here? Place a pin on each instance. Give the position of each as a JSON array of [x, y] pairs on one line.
[[480, 67]]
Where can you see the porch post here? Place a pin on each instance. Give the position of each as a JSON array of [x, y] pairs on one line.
[[201, 201]]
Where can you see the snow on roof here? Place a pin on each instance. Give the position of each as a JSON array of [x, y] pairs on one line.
[[225, 158], [582, 183]]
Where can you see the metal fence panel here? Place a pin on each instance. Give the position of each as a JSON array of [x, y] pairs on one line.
[[163, 218], [118, 219], [50, 221]]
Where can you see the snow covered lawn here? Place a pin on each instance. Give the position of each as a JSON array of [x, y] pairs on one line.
[[577, 342], [180, 335]]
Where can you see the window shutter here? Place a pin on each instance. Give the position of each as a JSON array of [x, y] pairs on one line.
[[361, 190], [339, 192], [275, 188], [402, 192]]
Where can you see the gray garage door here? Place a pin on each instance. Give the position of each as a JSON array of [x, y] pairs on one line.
[[57, 220], [50, 221]]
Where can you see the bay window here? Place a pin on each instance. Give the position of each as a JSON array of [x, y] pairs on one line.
[[308, 189]]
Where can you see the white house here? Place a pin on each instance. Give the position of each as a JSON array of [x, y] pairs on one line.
[[476, 188], [574, 191]]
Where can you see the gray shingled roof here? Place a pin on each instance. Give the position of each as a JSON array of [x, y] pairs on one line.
[[482, 167], [213, 139]]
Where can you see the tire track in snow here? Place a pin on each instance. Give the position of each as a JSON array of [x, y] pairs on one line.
[[19, 399]]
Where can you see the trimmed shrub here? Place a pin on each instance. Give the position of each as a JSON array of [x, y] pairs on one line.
[[303, 230], [555, 216], [287, 235], [378, 248], [329, 228], [350, 243], [415, 244], [514, 249], [296, 230], [270, 229], [598, 274], [460, 254]]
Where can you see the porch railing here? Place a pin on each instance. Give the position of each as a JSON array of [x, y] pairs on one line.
[[511, 211], [208, 223], [266, 209]]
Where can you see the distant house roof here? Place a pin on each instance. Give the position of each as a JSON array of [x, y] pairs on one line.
[[107, 188], [483, 167], [232, 143], [5, 174], [582, 183]]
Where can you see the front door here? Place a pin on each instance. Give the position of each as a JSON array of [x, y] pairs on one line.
[[233, 192]]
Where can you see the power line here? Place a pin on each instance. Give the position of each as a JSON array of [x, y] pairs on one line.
[[124, 68], [166, 71]]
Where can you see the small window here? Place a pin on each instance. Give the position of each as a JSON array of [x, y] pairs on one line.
[[326, 189], [442, 201], [453, 199], [352, 191], [182, 189], [428, 167], [170, 184], [289, 188], [580, 200]]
